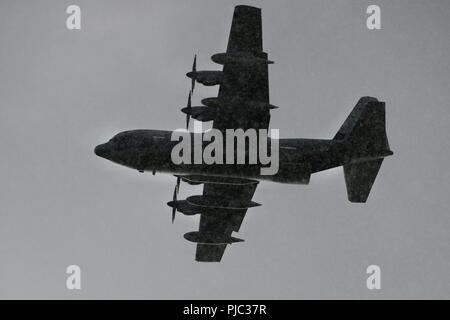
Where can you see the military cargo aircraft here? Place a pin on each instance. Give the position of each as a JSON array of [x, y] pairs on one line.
[[360, 145]]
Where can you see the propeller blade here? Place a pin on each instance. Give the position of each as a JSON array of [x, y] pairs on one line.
[[174, 208], [188, 117], [174, 198], [189, 101], [188, 109], [194, 69], [194, 65], [178, 184]]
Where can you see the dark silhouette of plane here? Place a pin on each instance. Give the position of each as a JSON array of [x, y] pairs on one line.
[[243, 102]]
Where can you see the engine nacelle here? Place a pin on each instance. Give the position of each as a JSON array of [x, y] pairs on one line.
[[212, 102], [184, 207], [206, 238], [216, 102], [220, 203], [207, 78], [245, 58], [201, 113]]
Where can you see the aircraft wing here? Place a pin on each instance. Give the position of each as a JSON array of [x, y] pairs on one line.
[[245, 94], [245, 85], [244, 104], [220, 222]]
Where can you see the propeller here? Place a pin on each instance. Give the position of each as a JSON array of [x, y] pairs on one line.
[[174, 208], [188, 109], [174, 199], [194, 69]]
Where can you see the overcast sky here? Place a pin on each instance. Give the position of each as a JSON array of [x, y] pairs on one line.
[[63, 92]]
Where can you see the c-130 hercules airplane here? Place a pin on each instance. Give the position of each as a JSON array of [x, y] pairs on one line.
[[243, 103]]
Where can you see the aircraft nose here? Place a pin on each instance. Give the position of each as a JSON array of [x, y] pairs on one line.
[[101, 150]]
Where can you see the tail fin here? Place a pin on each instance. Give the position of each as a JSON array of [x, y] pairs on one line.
[[365, 131]]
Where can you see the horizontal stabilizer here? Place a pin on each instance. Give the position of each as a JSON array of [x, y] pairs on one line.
[[365, 130], [359, 178]]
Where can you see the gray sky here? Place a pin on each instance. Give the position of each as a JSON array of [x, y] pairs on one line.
[[62, 92]]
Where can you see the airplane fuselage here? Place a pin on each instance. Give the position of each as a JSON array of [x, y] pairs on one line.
[[151, 150]]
